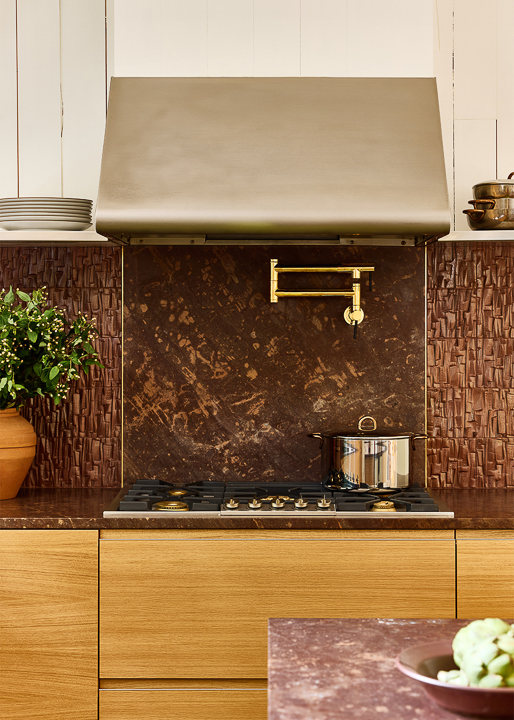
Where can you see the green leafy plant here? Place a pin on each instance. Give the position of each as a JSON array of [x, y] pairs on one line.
[[41, 352]]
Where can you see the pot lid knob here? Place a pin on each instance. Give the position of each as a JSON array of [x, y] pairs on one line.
[[367, 423]]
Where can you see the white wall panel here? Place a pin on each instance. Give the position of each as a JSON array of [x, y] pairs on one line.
[[390, 39], [230, 38], [160, 38], [505, 87], [109, 43], [443, 71], [323, 38], [139, 49], [83, 95], [277, 38], [475, 161], [475, 59], [39, 98], [8, 101]]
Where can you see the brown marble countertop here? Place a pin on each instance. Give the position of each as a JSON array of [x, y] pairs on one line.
[[344, 668], [82, 508]]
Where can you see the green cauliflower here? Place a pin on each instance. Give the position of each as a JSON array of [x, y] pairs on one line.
[[484, 653]]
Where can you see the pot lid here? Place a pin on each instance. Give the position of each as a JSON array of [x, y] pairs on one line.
[[498, 181], [363, 435], [297, 157]]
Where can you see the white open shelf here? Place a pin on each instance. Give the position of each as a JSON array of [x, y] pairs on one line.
[[36, 238], [478, 236]]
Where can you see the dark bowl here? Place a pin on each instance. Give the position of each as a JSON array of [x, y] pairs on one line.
[[423, 662]]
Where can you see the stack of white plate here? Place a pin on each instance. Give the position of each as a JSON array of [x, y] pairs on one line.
[[45, 213]]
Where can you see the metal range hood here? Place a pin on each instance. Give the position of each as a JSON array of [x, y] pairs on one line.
[[273, 160]]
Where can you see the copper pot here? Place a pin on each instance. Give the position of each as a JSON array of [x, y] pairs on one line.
[[491, 214], [494, 189]]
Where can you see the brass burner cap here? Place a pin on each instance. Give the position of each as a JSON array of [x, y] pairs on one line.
[[383, 506], [171, 506], [177, 493]]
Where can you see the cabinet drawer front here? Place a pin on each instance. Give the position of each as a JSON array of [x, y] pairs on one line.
[[485, 578], [199, 608], [183, 704]]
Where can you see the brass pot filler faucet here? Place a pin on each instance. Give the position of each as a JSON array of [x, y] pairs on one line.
[[353, 315]]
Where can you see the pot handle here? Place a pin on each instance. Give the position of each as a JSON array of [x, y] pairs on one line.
[[372, 425], [318, 435], [482, 203], [418, 436], [474, 214], [510, 176]]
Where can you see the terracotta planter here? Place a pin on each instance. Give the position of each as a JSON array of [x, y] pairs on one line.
[[17, 450]]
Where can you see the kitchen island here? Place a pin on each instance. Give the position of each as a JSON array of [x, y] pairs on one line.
[[344, 669]]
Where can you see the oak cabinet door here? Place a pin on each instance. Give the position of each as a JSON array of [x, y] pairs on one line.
[[199, 607], [183, 704], [48, 624], [485, 574]]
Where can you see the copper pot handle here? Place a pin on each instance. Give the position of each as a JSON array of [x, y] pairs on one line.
[[488, 201], [474, 214]]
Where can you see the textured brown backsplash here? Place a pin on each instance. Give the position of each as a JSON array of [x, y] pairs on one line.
[[470, 384], [79, 439], [219, 383]]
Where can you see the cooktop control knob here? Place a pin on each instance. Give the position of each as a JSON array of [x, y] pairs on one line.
[[278, 502], [324, 502], [300, 503], [254, 504], [232, 504]]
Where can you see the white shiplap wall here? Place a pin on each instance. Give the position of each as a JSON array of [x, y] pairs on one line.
[[52, 96], [56, 58]]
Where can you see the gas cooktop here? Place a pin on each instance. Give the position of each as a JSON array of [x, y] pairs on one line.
[[156, 498]]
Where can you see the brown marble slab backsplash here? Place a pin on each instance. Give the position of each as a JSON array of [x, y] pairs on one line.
[[470, 384], [79, 439], [220, 383]]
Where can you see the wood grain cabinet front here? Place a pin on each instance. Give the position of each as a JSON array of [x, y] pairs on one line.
[[48, 624], [183, 704], [485, 573], [179, 606]]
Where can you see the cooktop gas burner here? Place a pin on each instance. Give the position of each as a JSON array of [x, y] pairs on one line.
[[156, 498]]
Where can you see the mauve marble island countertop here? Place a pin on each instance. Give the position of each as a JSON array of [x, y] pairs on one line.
[[82, 508], [343, 669]]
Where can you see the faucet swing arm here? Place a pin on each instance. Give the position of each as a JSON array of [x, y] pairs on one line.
[[353, 314]]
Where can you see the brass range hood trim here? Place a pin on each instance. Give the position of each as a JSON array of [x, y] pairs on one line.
[[294, 160]]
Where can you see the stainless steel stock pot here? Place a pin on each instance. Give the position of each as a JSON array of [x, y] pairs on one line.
[[377, 460]]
